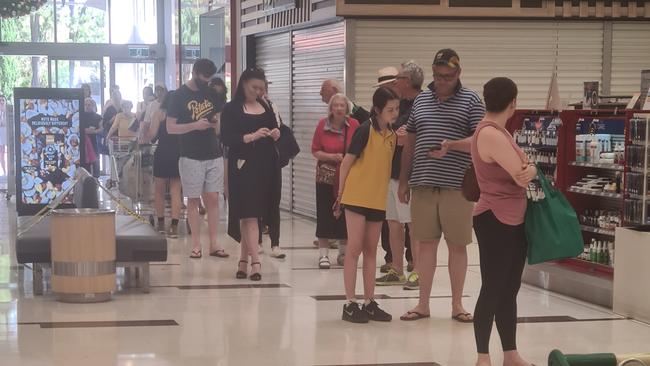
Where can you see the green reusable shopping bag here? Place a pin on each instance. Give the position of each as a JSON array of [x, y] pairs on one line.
[[552, 226]]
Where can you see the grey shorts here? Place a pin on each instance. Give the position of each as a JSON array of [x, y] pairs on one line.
[[200, 176]]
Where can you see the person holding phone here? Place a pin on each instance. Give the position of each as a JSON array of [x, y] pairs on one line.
[[250, 132], [329, 145], [365, 173], [193, 113], [434, 159]]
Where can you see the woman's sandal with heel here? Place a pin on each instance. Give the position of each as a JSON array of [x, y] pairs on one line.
[[256, 276], [241, 274]]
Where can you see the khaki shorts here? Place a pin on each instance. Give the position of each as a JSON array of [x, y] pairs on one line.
[[438, 211]]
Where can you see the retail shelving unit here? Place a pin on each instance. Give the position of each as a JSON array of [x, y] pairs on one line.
[[591, 186], [637, 201]]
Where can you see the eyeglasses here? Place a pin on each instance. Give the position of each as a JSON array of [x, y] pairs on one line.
[[445, 77]]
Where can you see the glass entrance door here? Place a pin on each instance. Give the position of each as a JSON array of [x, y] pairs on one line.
[[66, 73], [132, 77]]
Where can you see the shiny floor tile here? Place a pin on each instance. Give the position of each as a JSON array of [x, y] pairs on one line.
[[292, 317]]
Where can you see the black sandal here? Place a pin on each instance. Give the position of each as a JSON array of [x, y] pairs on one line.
[[256, 276], [241, 274]]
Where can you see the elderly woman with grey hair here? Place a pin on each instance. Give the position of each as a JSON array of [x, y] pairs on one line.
[[330, 142]]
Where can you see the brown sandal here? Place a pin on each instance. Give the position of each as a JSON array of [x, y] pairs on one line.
[[220, 253], [463, 318], [417, 316]]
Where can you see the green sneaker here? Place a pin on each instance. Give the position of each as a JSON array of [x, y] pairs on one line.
[[390, 279], [413, 282]]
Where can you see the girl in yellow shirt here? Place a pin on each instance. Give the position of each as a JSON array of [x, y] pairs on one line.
[[365, 173]]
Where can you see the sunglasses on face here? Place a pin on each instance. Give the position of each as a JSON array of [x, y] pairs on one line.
[[445, 77]]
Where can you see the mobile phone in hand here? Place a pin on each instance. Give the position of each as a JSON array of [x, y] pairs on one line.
[[435, 147]]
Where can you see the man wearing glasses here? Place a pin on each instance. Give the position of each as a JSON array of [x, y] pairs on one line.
[[436, 154]]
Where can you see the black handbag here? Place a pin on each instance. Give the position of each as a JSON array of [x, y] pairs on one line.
[[287, 146]]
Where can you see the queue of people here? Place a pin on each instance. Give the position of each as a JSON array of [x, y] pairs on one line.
[[399, 166]]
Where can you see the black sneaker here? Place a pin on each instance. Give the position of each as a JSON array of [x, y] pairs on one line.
[[375, 313], [353, 313]]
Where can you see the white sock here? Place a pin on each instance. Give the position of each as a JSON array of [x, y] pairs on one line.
[[324, 252], [342, 248], [367, 302]]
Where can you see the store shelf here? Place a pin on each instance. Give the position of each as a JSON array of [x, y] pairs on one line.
[[588, 266], [616, 167], [594, 193], [598, 230], [637, 196], [546, 164], [539, 147], [637, 169]]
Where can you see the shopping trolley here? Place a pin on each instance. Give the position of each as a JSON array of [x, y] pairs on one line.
[[557, 358], [119, 149], [132, 173]]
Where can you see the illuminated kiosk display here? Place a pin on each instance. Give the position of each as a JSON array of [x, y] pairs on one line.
[[48, 147]]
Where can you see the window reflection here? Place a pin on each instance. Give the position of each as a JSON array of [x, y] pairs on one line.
[[134, 22], [36, 27], [132, 78], [22, 71], [82, 21]]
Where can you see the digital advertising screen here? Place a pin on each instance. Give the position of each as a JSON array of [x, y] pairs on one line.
[[48, 145]]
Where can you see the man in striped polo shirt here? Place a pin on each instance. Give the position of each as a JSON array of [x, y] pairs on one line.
[[436, 154]]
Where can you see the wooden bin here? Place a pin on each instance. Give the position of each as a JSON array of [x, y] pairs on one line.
[[83, 254]]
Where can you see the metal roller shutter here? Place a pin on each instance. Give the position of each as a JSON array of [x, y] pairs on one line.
[[318, 54], [630, 55], [522, 50], [273, 54]]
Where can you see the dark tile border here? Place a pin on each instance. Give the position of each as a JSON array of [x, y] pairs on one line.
[[340, 268], [391, 364], [104, 324], [378, 297], [562, 319], [224, 287]]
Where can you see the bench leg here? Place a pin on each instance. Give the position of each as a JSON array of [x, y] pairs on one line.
[[145, 277], [37, 280]]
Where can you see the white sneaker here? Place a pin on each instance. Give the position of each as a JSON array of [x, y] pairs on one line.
[[276, 253], [324, 262]]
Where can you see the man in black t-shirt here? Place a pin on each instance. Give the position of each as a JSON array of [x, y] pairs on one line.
[[193, 113]]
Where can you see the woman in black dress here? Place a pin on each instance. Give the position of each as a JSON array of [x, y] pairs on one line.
[[249, 130], [165, 167]]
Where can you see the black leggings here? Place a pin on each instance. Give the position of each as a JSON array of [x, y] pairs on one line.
[[272, 217], [385, 243], [502, 250]]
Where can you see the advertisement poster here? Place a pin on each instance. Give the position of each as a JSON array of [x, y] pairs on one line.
[[48, 149]]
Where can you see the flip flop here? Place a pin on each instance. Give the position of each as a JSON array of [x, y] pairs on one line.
[[196, 254], [220, 253], [458, 318], [417, 316]]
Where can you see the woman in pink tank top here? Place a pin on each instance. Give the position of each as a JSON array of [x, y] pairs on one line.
[[503, 174]]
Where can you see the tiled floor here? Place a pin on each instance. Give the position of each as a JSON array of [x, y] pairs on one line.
[[193, 316]]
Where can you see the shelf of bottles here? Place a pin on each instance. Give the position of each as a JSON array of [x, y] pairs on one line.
[[538, 137], [637, 179]]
